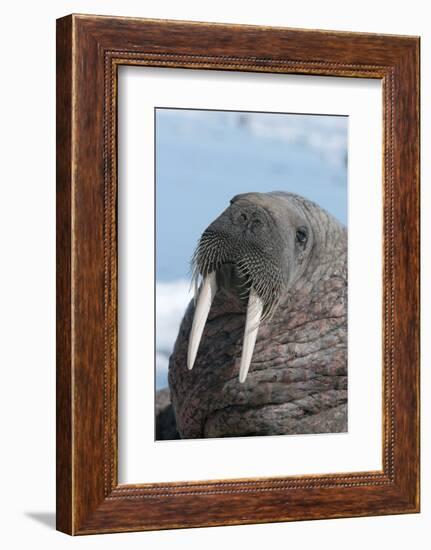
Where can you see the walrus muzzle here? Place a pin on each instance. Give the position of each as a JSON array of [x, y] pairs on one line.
[[239, 254]]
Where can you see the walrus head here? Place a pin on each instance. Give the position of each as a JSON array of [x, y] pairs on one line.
[[254, 252]]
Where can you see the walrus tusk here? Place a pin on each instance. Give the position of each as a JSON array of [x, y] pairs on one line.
[[205, 298], [254, 314]]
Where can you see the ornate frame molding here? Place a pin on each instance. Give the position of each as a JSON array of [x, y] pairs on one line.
[[89, 498]]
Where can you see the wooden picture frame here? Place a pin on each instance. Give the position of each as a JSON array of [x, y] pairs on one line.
[[89, 51]]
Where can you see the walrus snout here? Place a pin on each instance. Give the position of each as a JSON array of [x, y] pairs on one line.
[[237, 253]]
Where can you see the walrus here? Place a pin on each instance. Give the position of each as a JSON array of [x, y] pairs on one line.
[[262, 349]]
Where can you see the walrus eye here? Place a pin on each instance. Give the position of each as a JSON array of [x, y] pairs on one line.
[[302, 235]]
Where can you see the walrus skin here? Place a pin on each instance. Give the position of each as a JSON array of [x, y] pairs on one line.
[[292, 256]]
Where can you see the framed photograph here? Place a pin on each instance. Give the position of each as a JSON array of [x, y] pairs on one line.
[[237, 274]]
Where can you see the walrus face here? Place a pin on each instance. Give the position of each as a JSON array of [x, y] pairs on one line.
[[246, 255]]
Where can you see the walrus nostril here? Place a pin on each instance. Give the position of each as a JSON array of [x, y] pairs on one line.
[[248, 218], [241, 218]]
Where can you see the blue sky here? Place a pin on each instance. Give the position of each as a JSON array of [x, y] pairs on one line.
[[204, 158]]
